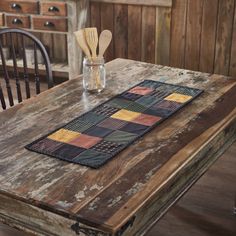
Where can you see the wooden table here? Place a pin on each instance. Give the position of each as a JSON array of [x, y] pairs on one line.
[[126, 196]]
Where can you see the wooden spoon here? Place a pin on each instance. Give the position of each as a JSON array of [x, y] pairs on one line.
[[80, 37], [104, 41], [92, 40]]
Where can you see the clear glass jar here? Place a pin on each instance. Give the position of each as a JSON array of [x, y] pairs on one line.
[[94, 75]]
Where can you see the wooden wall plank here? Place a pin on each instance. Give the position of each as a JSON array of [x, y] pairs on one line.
[[178, 33], [59, 48], [107, 19], [224, 36], [208, 36], [95, 15], [163, 19], [28, 42], [134, 32], [196, 35], [162, 3], [120, 31], [47, 41], [193, 35], [232, 71], [148, 34], [37, 34]]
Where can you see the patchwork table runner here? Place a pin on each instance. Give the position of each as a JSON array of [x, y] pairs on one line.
[[98, 135]]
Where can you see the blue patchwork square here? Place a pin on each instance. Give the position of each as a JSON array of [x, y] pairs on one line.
[[135, 128], [68, 152], [98, 131]]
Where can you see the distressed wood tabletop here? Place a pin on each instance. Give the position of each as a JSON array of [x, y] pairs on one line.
[[46, 196]]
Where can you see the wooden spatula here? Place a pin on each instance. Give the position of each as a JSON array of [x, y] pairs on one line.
[[80, 37], [104, 41], [91, 35]]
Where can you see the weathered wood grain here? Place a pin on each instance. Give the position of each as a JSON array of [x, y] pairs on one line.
[[232, 70], [31, 219], [208, 35], [107, 19], [47, 40], [134, 32], [224, 36], [78, 12], [162, 3], [163, 18], [121, 31], [190, 34], [148, 34], [125, 195], [178, 33], [95, 15], [193, 34], [59, 48], [107, 198], [206, 209]]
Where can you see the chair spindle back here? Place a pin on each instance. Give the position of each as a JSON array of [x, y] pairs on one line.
[[15, 40]]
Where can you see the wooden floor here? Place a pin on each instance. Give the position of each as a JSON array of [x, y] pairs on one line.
[[206, 210]]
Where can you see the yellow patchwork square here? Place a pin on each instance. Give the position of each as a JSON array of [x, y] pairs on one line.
[[64, 135], [125, 115], [176, 97]]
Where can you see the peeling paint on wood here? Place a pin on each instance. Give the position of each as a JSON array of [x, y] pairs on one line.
[[138, 182]]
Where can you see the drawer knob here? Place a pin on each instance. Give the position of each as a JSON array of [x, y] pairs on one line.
[[49, 24], [17, 21], [53, 9], [15, 6]]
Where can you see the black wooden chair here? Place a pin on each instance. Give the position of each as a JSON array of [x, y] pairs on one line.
[[7, 37]]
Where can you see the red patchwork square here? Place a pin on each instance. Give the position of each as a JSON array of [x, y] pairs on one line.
[[140, 90], [85, 141], [147, 120]]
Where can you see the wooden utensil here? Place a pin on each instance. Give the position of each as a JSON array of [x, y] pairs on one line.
[[80, 37], [91, 35], [104, 41]]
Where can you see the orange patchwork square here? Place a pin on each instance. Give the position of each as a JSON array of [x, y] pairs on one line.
[[125, 115], [85, 141], [64, 135], [176, 97], [147, 120], [140, 90]]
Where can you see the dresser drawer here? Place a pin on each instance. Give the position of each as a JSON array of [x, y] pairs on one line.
[[49, 23], [15, 21], [29, 7], [53, 8]]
